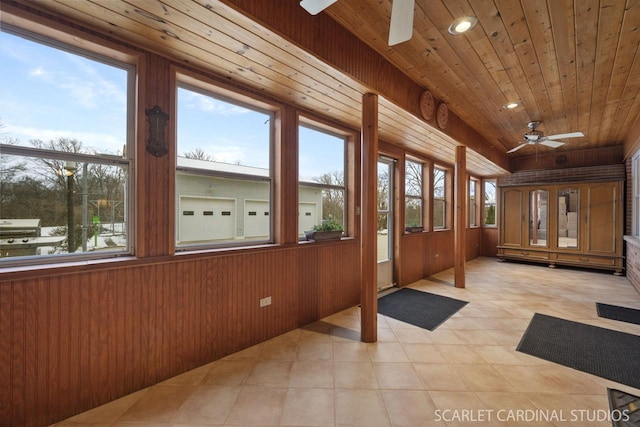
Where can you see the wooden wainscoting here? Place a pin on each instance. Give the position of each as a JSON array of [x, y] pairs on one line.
[[423, 254], [83, 339]]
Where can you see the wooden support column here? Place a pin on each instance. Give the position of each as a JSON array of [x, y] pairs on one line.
[[286, 169], [155, 210], [460, 213], [368, 212]]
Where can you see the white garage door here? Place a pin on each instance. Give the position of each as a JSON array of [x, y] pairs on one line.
[[256, 219], [205, 219]]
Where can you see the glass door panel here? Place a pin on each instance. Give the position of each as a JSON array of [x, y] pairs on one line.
[[568, 205], [385, 223], [538, 217]]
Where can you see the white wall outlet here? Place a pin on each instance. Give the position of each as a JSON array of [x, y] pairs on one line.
[[265, 301]]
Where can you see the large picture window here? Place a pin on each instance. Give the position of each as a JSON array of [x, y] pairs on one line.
[[439, 198], [489, 209], [64, 164], [413, 188], [224, 178], [322, 187]]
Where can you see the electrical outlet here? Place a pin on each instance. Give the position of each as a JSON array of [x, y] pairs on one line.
[[265, 301]]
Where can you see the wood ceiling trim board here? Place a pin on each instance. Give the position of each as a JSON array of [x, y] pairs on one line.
[[286, 50], [543, 44], [517, 29], [563, 28], [609, 24], [623, 75], [498, 36], [587, 15], [251, 58]]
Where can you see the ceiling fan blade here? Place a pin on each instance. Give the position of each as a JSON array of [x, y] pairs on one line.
[[401, 27], [314, 7], [552, 144], [517, 148], [566, 135]]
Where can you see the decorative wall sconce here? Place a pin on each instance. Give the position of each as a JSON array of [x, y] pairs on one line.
[[157, 144]]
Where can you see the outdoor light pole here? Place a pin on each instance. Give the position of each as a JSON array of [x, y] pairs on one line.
[[70, 169]]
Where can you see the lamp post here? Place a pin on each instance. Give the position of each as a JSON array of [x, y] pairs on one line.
[[69, 169]]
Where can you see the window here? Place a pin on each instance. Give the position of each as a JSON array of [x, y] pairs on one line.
[[64, 167], [439, 198], [473, 202], [489, 210], [224, 172], [413, 187], [321, 177]]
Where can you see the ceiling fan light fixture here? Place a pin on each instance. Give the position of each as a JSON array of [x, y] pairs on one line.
[[462, 25]]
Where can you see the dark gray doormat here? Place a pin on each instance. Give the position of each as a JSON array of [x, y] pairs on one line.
[[615, 312], [603, 352], [624, 408], [419, 308]]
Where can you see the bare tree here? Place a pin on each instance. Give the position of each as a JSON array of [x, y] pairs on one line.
[[199, 154]]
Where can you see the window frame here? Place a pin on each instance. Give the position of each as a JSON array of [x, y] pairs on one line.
[[207, 87], [56, 36], [311, 124], [495, 202], [474, 183], [447, 197], [420, 197]]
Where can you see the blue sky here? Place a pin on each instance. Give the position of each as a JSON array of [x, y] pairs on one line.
[[48, 93]]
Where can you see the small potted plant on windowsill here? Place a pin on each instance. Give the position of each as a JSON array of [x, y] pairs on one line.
[[329, 229], [414, 228]]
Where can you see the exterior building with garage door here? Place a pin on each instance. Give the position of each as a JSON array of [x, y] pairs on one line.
[[224, 207]]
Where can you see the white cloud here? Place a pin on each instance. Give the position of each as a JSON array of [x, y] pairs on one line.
[[100, 142], [208, 104]]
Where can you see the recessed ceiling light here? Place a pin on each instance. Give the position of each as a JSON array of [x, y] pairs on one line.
[[462, 25], [511, 105]]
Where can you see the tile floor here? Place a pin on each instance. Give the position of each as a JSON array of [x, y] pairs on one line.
[[465, 373]]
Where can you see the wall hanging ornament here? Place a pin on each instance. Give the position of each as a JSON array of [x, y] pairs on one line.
[[157, 119]]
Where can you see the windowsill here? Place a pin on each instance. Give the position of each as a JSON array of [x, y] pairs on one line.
[[633, 240]]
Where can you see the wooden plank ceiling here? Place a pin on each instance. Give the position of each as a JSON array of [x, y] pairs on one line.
[[571, 64]]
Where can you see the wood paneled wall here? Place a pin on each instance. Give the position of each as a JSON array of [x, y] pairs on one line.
[[71, 342]]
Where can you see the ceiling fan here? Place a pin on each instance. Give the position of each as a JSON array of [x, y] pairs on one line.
[[400, 29], [537, 137]]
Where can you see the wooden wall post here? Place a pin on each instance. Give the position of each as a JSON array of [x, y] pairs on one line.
[[368, 212], [460, 214], [286, 169]]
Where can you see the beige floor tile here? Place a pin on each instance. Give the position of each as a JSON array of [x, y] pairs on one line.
[[207, 405], [159, 404], [387, 352], [351, 352], [410, 408], [269, 374], [228, 371], [354, 375], [397, 376], [439, 377], [309, 407], [313, 350], [455, 354], [481, 377], [425, 353], [362, 408], [311, 374], [258, 406]]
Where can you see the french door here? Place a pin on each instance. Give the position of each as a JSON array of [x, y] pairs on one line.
[[385, 222]]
